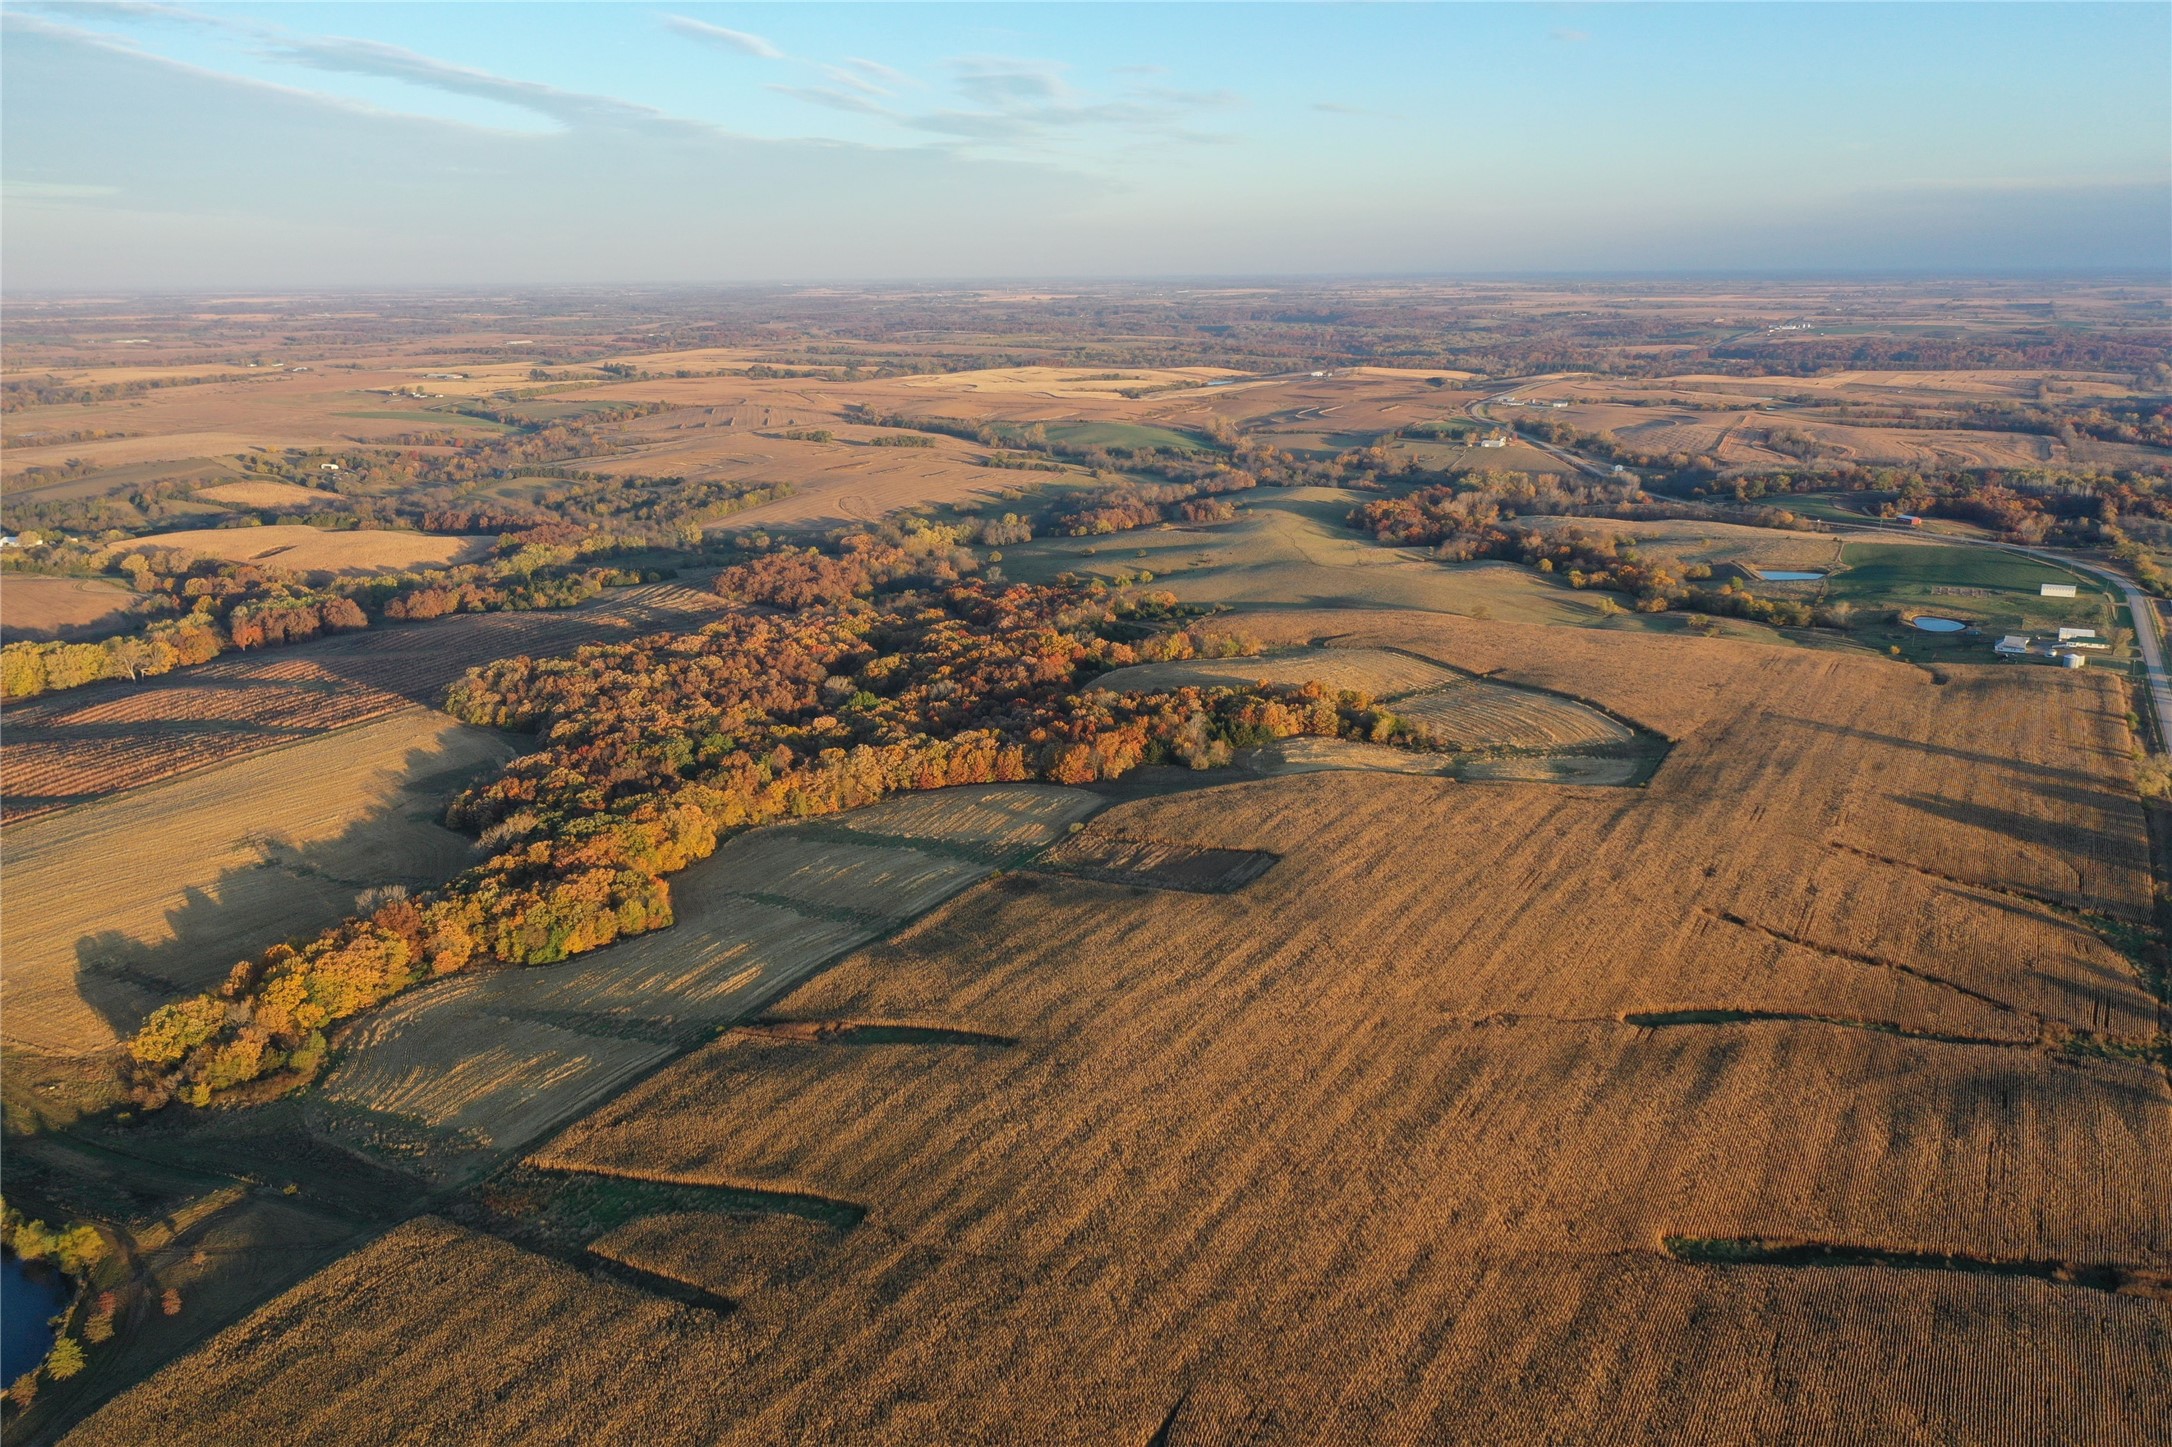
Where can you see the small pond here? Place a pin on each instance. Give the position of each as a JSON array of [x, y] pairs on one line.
[[30, 1297], [1937, 625], [1783, 575]]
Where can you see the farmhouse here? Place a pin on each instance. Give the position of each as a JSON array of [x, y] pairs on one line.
[[2056, 590], [1493, 442]]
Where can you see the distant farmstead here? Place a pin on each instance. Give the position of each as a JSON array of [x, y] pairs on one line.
[[2056, 590]]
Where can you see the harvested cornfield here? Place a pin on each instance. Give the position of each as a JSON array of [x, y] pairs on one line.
[[483, 1063], [262, 493], [34, 609], [1465, 712], [1473, 714], [871, 881], [1401, 1141], [417, 1314], [1153, 864], [87, 743], [120, 906], [1481, 1131], [998, 816], [302, 549], [1378, 672], [449, 1059], [1514, 1352], [1613, 765]]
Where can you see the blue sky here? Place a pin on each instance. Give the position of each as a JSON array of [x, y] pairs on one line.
[[174, 145]]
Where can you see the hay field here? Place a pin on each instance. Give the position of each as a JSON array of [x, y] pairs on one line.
[[1464, 712], [38, 609], [275, 410], [1062, 382], [1697, 540], [347, 552], [840, 481], [487, 1062], [260, 493], [1373, 1149], [1293, 549], [87, 743], [1377, 672], [124, 904], [1473, 714]]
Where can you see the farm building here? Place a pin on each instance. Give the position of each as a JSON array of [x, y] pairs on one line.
[[1493, 442], [2056, 590], [2068, 635], [2013, 645], [1911, 519], [2068, 658]]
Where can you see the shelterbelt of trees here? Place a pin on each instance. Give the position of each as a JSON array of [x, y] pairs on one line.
[[201, 608], [1476, 518], [805, 703]]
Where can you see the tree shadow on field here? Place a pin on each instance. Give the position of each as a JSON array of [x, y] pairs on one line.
[[1946, 751], [2072, 842], [285, 891]]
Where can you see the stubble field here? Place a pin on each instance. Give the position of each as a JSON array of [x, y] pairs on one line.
[[40, 609], [119, 906], [71, 748], [1425, 1133]]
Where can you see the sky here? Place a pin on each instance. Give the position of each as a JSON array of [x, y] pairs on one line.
[[183, 146]]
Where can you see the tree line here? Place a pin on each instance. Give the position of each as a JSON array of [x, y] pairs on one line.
[[834, 690]]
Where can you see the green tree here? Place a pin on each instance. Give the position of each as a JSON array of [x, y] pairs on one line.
[[66, 1359]]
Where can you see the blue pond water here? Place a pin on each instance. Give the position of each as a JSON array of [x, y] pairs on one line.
[[1780, 575], [1938, 625], [28, 1302]]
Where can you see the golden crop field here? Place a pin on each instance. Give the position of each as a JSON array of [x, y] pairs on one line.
[[303, 549], [1463, 712], [38, 609], [1375, 672], [1697, 540], [70, 748], [193, 874], [485, 1063], [1446, 1099], [258, 492]]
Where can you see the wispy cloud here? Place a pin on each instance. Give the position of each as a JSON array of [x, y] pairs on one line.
[[110, 10], [734, 40], [1203, 99], [882, 74], [834, 99], [852, 80], [391, 62], [1009, 84]]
